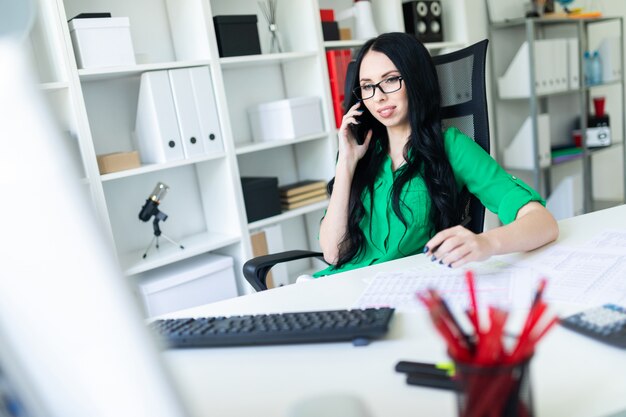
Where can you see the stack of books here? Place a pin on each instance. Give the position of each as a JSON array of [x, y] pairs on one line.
[[302, 193]]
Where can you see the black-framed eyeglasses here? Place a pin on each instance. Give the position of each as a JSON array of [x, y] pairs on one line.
[[388, 85]]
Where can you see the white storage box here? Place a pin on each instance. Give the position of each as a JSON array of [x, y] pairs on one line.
[[197, 281], [286, 119], [102, 42]]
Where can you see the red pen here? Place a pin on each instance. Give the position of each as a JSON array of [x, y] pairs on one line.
[[469, 277], [456, 328]]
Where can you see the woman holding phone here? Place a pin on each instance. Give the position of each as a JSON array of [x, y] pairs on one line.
[[399, 177]]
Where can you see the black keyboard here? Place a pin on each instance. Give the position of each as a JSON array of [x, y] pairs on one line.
[[358, 326]]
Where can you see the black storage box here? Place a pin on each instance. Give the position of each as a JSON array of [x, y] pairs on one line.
[[261, 197], [330, 31], [237, 35]]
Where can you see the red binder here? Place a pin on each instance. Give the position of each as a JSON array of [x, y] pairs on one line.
[[338, 61]]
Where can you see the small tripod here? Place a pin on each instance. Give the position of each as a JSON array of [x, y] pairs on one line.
[[159, 216]]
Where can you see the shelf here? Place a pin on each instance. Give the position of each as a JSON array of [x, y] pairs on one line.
[[132, 263], [55, 86], [548, 21], [255, 60], [249, 147], [329, 45], [288, 215], [109, 73], [158, 167], [343, 44], [604, 204], [579, 156], [603, 84]]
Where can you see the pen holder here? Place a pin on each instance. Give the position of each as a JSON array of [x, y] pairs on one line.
[[501, 390]]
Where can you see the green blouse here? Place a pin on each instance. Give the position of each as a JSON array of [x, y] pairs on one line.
[[387, 239]]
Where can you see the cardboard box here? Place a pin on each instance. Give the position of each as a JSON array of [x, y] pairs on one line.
[[286, 119], [102, 42], [118, 161], [196, 281]]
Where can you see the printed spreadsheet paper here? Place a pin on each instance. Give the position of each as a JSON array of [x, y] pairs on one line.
[[495, 285], [593, 273]]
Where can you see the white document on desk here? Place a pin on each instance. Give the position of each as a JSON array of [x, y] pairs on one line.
[[614, 239], [593, 274], [495, 285]]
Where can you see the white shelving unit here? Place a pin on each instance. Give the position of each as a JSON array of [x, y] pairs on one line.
[[97, 109], [568, 100]]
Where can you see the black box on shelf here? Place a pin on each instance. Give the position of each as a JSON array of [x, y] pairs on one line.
[[261, 197], [237, 35], [330, 31]]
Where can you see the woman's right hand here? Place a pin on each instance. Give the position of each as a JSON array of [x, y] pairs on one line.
[[349, 150]]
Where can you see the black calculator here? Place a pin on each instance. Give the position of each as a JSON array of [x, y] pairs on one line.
[[606, 323]]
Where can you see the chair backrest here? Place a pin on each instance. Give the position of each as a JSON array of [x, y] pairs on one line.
[[464, 104]]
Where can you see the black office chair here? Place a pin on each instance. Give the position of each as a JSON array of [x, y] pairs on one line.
[[464, 105]]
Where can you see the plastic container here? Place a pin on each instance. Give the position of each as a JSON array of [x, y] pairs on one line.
[[596, 69], [189, 283], [286, 119], [587, 67], [102, 42]]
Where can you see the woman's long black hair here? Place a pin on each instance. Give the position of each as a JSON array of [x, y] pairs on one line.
[[424, 151]]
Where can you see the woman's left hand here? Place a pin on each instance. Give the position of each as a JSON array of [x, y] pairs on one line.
[[456, 246]]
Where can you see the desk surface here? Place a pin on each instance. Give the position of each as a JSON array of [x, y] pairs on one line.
[[570, 375]]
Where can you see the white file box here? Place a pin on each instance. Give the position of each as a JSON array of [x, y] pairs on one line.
[[551, 73], [567, 198], [286, 119], [102, 42], [197, 281], [156, 129], [519, 154], [611, 59]]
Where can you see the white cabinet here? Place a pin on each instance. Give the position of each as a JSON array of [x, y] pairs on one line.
[[180, 87], [540, 97]]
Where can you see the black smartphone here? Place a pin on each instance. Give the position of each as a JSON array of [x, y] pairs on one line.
[[365, 124]]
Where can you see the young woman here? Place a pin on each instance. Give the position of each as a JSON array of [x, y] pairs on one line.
[[399, 177]]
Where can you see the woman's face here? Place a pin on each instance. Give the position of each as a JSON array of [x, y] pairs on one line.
[[390, 109]]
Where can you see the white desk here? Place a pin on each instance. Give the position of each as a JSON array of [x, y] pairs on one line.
[[571, 375]]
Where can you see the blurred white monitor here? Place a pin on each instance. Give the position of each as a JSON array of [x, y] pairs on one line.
[[72, 340]]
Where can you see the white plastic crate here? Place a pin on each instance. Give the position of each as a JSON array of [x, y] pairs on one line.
[[193, 282], [102, 42], [286, 119]]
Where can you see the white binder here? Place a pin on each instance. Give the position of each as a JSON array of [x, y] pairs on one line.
[[206, 110], [184, 103], [156, 128], [559, 62]]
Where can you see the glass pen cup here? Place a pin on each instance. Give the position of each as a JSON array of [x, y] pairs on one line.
[[500, 390]]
